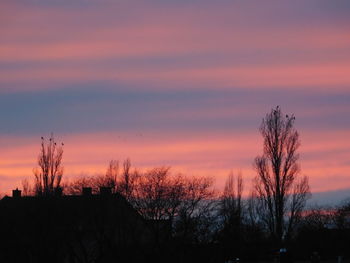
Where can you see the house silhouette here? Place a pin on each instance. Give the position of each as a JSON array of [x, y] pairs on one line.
[[89, 227]]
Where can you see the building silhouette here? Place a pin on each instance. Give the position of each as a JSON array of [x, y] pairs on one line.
[[73, 228]]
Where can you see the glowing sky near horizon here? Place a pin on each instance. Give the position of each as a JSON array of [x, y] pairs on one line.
[[176, 83]]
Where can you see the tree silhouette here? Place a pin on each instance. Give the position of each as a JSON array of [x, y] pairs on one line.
[[49, 174], [75, 186], [231, 206], [281, 194], [158, 194], [341, 216], [128, 180], [109, 179], [231, 216], [194, 223], [27, 190], [112, 175]]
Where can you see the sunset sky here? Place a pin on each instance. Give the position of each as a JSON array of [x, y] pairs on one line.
[[176, 83]]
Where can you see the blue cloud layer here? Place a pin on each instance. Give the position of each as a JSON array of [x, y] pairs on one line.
[[91, 108]]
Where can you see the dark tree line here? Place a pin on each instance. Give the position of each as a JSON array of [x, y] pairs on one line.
[[191, 220]]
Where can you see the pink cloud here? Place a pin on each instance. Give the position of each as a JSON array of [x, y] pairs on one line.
[[191, 153], [218, 47], [310, 76], [67, 41]]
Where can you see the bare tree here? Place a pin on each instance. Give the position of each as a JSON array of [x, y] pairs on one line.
[[109, 179], [230, 232], [195, 216], [341, 214], [185, 203], [123, 182], [158, 194], [127, 181], [27, 189], [49, 174], [281, 194], [112, 174], [317, 218], [157, 198], [75, 186], [231, 200]]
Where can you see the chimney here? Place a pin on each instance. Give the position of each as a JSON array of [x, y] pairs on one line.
[[16, 193], [87, 191], [105, 191]]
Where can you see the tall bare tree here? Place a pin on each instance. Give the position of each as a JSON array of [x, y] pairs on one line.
[[128, 181], [230, 233], [26, 187], [112, 174], [48, 174], [281, 193], [231, 200], [109, 179]]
